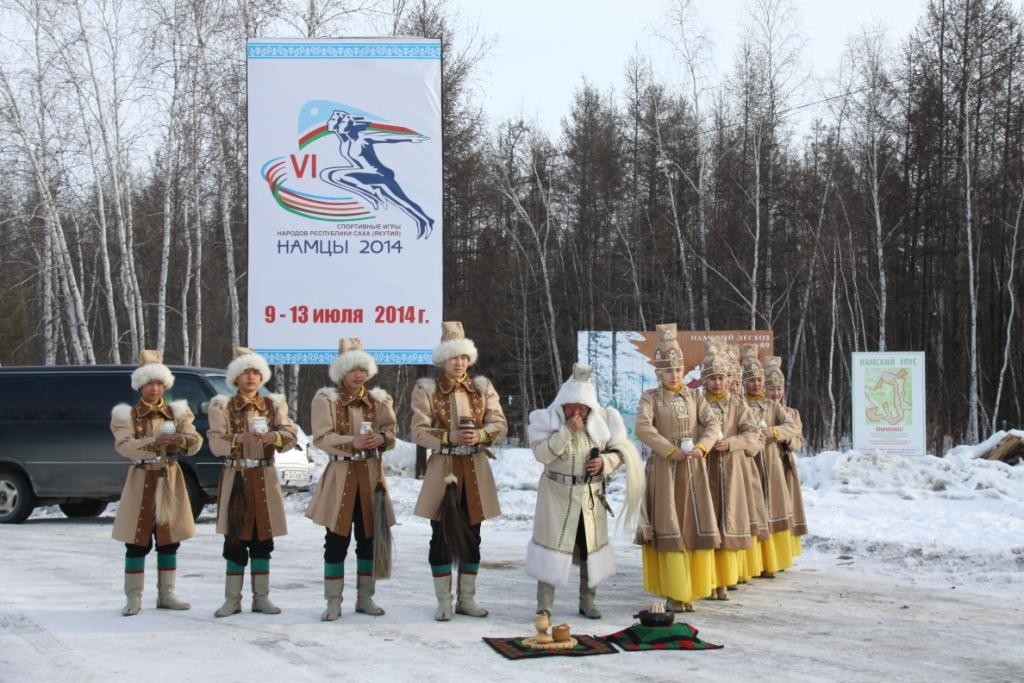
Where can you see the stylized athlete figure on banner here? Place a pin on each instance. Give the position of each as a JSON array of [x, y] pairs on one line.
[[364, 173]]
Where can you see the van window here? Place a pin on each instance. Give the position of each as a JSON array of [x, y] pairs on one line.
[[220, 384], [66, 397], [188, 389]]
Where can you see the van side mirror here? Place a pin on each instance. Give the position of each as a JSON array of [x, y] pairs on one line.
[[204, 407]]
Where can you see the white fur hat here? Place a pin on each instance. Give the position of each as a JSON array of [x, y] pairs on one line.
[[151, 368], [453, 343], [351, 356], [247, 359], [578, 389]]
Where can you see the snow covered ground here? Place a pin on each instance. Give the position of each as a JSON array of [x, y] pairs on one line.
[[914, 570]]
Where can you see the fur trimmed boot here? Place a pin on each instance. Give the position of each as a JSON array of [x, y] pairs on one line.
[[587, 595], [166, 599], [333, 588], [261, 594], [443, 591], [232, 594], [545, 597], [133, 583], [466, 603], [366, 586]]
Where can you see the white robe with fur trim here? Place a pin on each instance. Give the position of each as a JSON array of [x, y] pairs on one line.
[[560, 506]]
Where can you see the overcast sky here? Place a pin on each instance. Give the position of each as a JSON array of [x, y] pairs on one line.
[[543, 49]]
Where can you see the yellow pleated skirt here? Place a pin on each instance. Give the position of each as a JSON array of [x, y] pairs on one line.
[[667, 574], [798, 546], [702, 573], [777, 552], [728, 565], [754, 564]]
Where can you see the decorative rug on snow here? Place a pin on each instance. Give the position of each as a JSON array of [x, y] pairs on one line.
[[513, 648], [678, 636]]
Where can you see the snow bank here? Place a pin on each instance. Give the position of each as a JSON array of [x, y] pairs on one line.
[[957, 518]]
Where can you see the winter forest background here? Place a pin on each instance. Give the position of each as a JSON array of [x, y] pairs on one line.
[[892, 222]]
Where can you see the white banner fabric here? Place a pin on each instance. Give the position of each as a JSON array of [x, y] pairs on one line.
[[344, 198]]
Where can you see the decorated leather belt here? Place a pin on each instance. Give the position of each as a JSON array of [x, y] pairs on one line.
[[249, 463], [572, 480], [355, 457], [152, 463], [459, 450]]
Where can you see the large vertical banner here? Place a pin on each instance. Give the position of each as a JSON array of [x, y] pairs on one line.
[[344, 197], [888, 402]]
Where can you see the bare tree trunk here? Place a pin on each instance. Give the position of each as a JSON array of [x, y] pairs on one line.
[[108, 125], [973, 424], [831, 352], [1009, 316]]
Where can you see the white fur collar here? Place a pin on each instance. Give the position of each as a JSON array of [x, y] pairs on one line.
[[330, 393], [122, 412], [179, 408], [427, 384]]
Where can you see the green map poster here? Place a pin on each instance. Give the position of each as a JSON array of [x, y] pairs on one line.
[[888, 402]]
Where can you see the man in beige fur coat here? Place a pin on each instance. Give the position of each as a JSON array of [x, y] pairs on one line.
[[154, 501], [459, 418], [354, 426], [580, 445], [246, 429]]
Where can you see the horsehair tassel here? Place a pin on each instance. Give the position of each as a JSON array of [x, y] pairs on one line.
[[383, 542]]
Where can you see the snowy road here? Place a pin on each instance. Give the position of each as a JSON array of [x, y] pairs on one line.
[[823, 620], [913, 573]]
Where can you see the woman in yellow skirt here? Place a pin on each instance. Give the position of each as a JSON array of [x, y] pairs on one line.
[[737, 442], [679, 531], [775, 388], [776, 426]]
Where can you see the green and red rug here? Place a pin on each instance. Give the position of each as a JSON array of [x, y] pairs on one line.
[[678, 636]]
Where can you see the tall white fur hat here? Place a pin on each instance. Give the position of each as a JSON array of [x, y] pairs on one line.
[[453, 343], [247, 359], [151, 369], [351, 356], [578, 389]]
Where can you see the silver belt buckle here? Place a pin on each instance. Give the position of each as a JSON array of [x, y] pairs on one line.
[[359, 455]]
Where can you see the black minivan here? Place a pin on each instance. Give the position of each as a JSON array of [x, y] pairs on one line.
[[55, 440]]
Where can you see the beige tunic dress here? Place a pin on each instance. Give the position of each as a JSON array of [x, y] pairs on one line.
[[726, 470], [788, 453], [135, 432], [264, 504], [336, 416], [773, 478], [436, 409], [680, 514]]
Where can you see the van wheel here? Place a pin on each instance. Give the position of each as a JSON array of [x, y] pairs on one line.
[[195, 495], [85, 508], [16, 498]]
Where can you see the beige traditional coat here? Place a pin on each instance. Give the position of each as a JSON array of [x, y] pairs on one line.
[[135, 432], [773, 478], [436, 408], [679, 511], [726, 469], [788, 452], [264, 504], [336, 416]]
